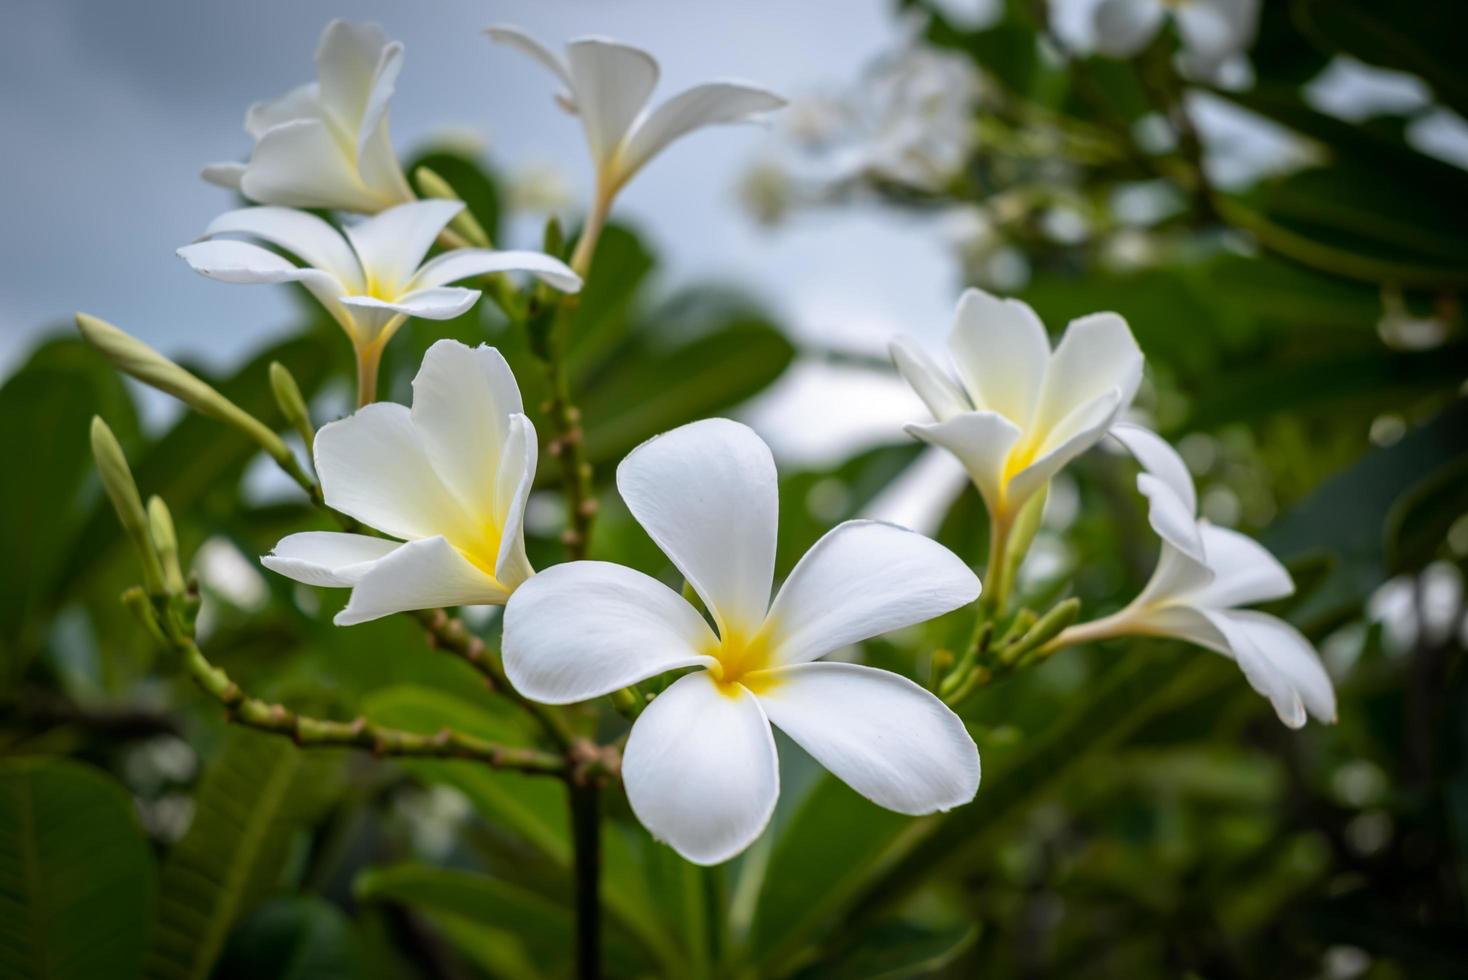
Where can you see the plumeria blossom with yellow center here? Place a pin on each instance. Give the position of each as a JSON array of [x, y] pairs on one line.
[[1212, 31], [447, 478], [325, 144], [700, 766], [608, 84], [1018, 412], [1204, 575], [372, 278]]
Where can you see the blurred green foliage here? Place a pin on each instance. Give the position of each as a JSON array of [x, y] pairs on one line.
[[1142, 813]]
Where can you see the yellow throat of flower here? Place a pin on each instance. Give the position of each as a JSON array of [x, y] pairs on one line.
[[742, 661]]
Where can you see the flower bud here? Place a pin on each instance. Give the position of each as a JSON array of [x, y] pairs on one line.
[[117, 480], [165, 542], [432, 185], [292, 405], [131, 356]]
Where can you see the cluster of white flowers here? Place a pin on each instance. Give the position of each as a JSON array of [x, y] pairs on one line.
[[446, 481]]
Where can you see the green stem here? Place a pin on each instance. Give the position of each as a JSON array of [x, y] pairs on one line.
[[996, 580], [586, 841], [601, 207], [567, 438]]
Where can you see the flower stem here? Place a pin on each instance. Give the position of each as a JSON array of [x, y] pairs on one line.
[[996, 580], [567, 438], [596, 220], [369, 359], [586, 840]]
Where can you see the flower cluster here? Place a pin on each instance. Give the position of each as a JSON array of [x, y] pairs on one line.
[[433, 496]]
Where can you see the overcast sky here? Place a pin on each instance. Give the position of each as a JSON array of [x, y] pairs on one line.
[[111, 108]]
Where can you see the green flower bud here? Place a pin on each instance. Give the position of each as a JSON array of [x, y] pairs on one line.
[[117, 480]]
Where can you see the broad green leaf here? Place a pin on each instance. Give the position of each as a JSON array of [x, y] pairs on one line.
[[256, 794], [77, 879], [302, 938], [895, 951]]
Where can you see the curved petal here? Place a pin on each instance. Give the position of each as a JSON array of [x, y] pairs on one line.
[[1244, 572], [1157, 457], [1183, 623], [610, 83], [374, 467], [881, 734], [926, 377], [1000, 349], [299, 164], [304, 235], [863, 579], [515, 38], [707, 493], [981, 441], [391, 244], [357, 68], [462, 263], [378, 167], [702, 105], [443, 303], [1124, 27], [243, 263], [700, 769], [301, 102], [422, 574], [1076, 433], [226, 174], [511, 492], [1280, 664], [327, 558], [586, 628], [1096, 355], [1172, 521], [463, 398]]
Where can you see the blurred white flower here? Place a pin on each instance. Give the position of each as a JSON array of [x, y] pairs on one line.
[[921, 105], [449, 477], [325, 144], [1212, 31], [369, 280], [540, 188], [700, 766], [1018, 411], [608, 85], [1204, 575]]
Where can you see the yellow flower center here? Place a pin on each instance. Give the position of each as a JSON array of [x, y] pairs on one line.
[[742, 662], [483, 551]]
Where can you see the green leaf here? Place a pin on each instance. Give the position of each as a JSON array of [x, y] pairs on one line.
[[303, 938], [257, 793], [896, 951], [77, 880]]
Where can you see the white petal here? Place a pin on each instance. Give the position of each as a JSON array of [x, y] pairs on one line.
[[1244, 572], [511, 492], [358, 69], [1280, 664], [315, 242], [378, 167], [1097, 354], [327, 558], [1215, 30], [981, 441], [610, 83], [374, 467], [422, 574], [463, 398], [241, 262], [586, 628], [1001, 350], [926, 377], [299, 164], [462, 263], [860, 580], [702, 105], [1124, 27], [1076, 433], [1157, 457], [1177, 578], [391, 244], [301, 102], [225, 174], [881, 734], [1170, 518], [700, 769], [443, 303], [707, 493], [515, 38]]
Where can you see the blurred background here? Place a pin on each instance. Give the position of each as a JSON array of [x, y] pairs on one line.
[[1274, 196]]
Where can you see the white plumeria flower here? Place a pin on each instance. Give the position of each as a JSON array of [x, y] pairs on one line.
[[325, 144], [369, 280], [700, 766], [1019, 412], [1212, 31], [1204, 575], [448, 478], [608, 84]]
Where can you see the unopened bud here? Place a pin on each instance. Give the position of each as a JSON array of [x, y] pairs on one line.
[[117, 480], [292, 405], [165, 543], [432, 185], [1045, 629]]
